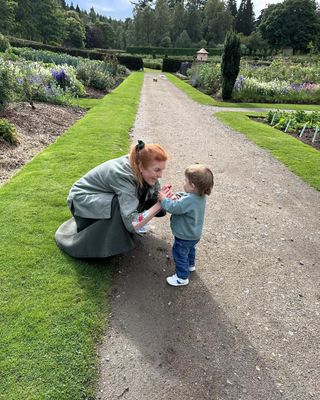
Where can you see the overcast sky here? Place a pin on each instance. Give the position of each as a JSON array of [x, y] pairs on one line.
[[121, 9]]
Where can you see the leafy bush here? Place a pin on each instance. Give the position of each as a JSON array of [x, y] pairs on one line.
[[4, 43], [210, 77], [7, 82], [95, 75], [8, 132]]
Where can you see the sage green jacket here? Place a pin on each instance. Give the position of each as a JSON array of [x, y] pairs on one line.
[[91, 196]]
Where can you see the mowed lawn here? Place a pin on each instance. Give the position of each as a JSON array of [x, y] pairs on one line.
[[53, 308]]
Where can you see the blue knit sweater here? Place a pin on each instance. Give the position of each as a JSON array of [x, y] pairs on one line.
[[187, 215]]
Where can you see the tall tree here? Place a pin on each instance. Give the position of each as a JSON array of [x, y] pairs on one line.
[[178, 21], [50, 21], [144, 20], [183, 40], [193, 20], [199, 4], [75, 31], [7, 19], [162, 21], [230, 63], [232, 7], [142, 3], [108, 35], [92, 15], [217, 21], [245, 17], [292, 23], [25, 20]]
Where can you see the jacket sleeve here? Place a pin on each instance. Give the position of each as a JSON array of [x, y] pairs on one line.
[[128, 201]]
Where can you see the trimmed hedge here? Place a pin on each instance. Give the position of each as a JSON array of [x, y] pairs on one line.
[[131, 62], [171, 65], [152, 64], [95, 54], [171, 51]]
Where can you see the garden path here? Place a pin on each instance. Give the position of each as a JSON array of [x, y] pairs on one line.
[[247, 326]]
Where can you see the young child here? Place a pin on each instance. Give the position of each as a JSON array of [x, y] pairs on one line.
[[187, 209]]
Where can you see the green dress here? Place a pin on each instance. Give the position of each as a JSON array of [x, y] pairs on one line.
[[103, 203]]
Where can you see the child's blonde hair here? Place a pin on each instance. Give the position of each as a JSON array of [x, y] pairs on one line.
[[202, 178]]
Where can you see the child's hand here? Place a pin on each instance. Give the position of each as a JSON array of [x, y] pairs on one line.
[[167, 191]]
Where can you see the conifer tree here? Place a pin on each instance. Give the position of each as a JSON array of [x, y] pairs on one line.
[[232, 7], [245, 17], [7, 20], [230, 63]]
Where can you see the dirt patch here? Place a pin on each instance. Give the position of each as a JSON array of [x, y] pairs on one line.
[[37, 128], [306, 138]]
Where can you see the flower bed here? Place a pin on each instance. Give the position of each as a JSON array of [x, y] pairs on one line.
[[299, 124], [280, 82]]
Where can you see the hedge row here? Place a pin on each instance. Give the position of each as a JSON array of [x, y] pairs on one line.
[[131, 62], [95, 54], [171, 51]]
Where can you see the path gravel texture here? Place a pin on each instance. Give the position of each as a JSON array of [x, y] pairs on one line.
[[247, 326]]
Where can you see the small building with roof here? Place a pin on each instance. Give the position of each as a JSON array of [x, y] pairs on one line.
[[202, 55]]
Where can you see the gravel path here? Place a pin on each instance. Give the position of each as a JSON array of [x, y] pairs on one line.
[[247, 326]]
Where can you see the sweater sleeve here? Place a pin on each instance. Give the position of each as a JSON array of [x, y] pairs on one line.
[[176, 207]]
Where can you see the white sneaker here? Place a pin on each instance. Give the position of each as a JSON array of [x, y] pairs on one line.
[[175, 281], [192, 268]]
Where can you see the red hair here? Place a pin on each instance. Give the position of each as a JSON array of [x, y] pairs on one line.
[[145, 156]]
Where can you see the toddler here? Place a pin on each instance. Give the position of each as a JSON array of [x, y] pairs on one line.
[[187, 209]]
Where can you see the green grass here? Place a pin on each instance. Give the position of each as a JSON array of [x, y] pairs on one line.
[[301, 159], [52, 307], [86, 103], [202, 98]]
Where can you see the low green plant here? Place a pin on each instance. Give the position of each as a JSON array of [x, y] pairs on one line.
[[8, 131], [95, 75]]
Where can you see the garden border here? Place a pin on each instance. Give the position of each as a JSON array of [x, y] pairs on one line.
[[54, 307]]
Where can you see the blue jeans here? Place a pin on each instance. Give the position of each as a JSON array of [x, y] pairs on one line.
[[184, 254]]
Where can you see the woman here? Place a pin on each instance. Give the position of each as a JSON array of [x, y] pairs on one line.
[[108, 203]]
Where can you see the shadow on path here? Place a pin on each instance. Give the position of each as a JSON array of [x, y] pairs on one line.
[[181, 336]]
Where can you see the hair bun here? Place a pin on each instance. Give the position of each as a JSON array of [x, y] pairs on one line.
[[140, 145]]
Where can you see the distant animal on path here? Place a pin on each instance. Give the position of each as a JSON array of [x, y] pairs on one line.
[[155, 79]]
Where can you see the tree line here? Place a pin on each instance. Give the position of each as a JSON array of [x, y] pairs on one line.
[[166, 23]]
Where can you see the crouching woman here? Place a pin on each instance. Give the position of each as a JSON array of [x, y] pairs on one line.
[[111, 202]]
